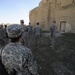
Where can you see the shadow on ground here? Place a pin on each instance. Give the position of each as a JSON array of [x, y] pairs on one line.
[[57, 61]]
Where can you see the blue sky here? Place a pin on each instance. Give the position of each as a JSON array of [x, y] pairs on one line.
[[11, 11]]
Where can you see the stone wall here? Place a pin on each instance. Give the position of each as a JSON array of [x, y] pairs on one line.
[[59, 10], [65, 12], [41, 14]]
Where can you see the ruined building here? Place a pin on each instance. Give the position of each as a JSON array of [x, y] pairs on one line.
[[63, 11]]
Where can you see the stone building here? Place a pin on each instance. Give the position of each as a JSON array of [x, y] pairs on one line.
[[62, 11]]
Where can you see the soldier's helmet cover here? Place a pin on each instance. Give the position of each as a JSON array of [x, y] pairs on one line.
[[14, 31], [37, 23], [22, 21]]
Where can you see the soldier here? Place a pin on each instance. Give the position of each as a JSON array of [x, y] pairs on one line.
[[53, 29], [25, 33], [1, 26], [3, 36], [37, 33], [7, 40], [22, 25], [2, 44], [53, 34], [29, 29], [18, 59], [5, 26]]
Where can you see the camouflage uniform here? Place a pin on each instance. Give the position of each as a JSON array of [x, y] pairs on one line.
[[37, 33], [17, 57], [29, 30], [53, 30], [23, 27], [3, 37], [53, 34], [24, 35], [6, 36]]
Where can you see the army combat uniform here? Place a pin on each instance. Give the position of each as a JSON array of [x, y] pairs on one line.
[[37, 33], [53, 34], [29, 30], [24, 35], [53, 30], [3, 37], [17, 58]]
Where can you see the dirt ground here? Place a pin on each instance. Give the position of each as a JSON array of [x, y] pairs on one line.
[[59, 60]]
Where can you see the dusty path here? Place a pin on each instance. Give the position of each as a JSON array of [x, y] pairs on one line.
[[57, 61]]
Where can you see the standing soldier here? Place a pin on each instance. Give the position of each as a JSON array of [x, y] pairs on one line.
[[22, 25], [25, 33], [37, 33], [29, 30], [53, 34], [1, 25], [3, 42], [53, 29], [17, 59], [3, 37], [7, 40]]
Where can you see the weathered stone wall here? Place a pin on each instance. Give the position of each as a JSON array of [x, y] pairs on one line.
[[34, 15], [41, 14], [65, 12], [59, 10]]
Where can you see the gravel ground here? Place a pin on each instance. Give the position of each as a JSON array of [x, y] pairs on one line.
[[59, 60]]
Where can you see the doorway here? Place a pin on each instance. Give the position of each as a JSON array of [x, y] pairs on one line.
[[62, 26]]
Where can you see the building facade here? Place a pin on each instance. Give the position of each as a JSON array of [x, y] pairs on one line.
[[62, 11]]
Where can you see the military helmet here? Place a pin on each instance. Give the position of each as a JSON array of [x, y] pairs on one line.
[[54, 21], [29, 23], [37, 23], [14, 31], [22, 21]]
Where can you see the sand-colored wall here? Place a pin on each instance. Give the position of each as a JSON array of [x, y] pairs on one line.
[[59, 10], [40, 14]]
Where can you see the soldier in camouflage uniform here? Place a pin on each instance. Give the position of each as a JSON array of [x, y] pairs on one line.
[[18, 59], [29, 30], [3, 42], [24, 34], [3, 37], [37, 33], [53, 29], [23, 27], [53, 33]]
